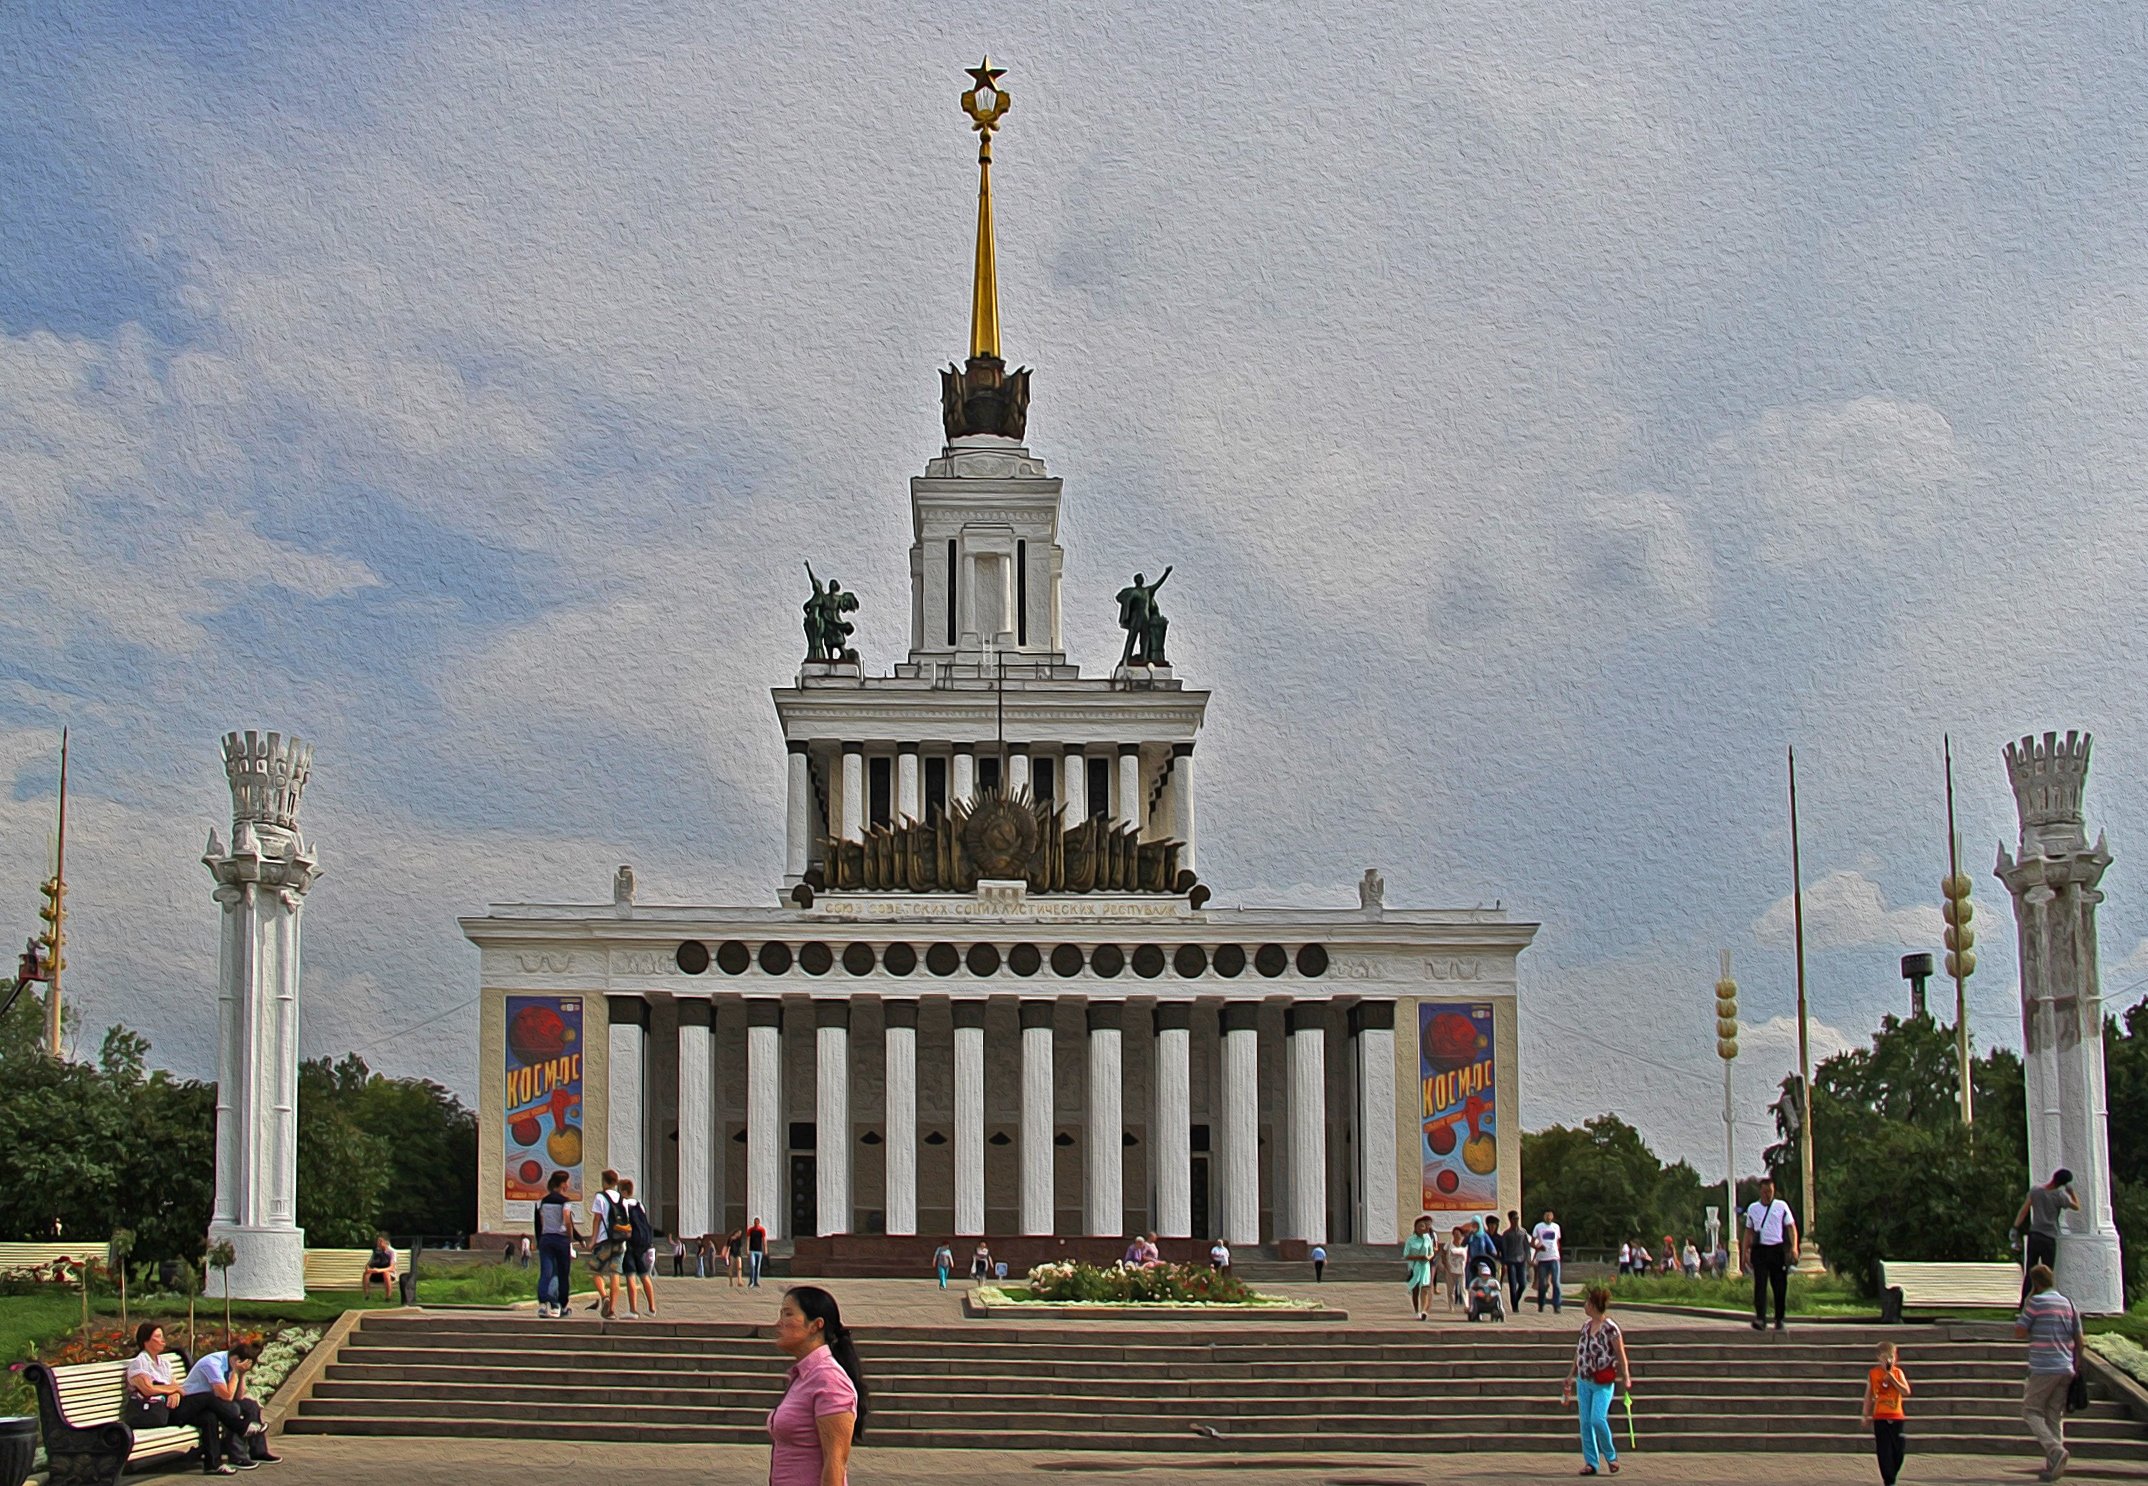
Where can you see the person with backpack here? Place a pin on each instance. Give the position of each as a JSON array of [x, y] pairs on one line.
[[611, 1227], [555, 1248], [639, 1260]]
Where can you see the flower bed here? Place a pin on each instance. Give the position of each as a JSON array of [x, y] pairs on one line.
[[280, 1351], [2128, 1357], [1133, 1284]]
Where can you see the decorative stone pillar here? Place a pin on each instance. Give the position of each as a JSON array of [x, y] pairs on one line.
[[1074, 783], [1306, 1028], [2054, 883], [798, 815], [697, 1123], [1132, 808], [1372, 1026], [831, 1115], [1037, 1164], [626, 1144], [1017, 770], [1104, 1187], [1182, 822], [261, 885], [909, 799], [969, 1118], [853, 816], [1241, 1123], [1171, 1137], [962, 778], [901, 1135], [765, 1197]]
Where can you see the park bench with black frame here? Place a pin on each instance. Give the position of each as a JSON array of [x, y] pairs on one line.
[[1926, 1286], [344, 1269], [28, 1256], [82, 1411]]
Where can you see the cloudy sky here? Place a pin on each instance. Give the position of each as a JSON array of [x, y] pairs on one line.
[[1551, 410]]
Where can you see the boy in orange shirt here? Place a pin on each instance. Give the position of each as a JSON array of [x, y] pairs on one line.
[[1885, 1391]]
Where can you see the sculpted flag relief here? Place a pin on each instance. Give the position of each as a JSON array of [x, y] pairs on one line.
[[543, 1127], [1460, 1143]]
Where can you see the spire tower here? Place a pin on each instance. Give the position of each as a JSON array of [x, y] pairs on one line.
[[982, 396]]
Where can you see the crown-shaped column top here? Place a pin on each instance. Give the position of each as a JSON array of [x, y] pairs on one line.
[[268, 776], [2048, 776]]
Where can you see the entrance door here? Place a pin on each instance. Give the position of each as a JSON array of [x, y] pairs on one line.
[[805, 1197], [1200, 1196]]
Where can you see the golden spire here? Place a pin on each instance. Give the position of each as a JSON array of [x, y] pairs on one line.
[[985, 103]]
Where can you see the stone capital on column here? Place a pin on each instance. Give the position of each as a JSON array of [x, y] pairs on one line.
[[1174, 1016], [796, 746], [895, 1013], [1239, 1016], [968, 1013], [1037, 1013], [623, 1009], [763, 1011], [1105, 1016], [830, 1013], [1372, 1016]]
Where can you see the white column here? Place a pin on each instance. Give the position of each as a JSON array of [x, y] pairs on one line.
[[626, 1148], [831, 1115], [901, 1133], [1074, 784], [1104, 1190], [1373, 1023], [1182, 823], [697, 1088], [765, 1198], [1306, 1025], [1171, 1138], [798, 814], [969, 1118], [1131, 806], [1241, 1123], [962, 780], [909, 798], [1037, 1163], [853, 816], [1017, 771]]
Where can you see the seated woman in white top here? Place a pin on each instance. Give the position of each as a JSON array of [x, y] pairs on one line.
[[152, 1391]]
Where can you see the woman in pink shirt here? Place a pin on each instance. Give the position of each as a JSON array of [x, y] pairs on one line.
[[824, 1404]]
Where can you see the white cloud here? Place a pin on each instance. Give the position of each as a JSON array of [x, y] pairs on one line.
[[1846, 910]]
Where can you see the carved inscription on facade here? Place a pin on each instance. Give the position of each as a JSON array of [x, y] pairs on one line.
[[544, 964]]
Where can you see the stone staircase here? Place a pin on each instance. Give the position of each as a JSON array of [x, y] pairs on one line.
[[1095, 1386]]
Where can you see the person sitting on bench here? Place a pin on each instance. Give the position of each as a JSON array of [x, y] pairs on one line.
[[380, 1267], [214, 1400]]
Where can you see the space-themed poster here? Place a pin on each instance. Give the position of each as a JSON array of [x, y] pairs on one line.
[[1461, 1130], [544, 1094]]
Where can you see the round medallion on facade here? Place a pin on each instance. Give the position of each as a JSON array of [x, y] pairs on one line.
[[1230, 961], [1313, 961], [1148, 961], [732, 957], [1000, 836], [898, 959], [983, 959], [858, 959], [1190, 961], [1066, 960], [693, 957], [1271, 960], [943, 959], [1107, 960], [815, 958], [775, 957], [1023, 959]]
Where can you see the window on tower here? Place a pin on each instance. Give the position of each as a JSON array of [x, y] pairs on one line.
[[880, 791], [1099, 786], [1041, 779], [935, 785], [987, 774]]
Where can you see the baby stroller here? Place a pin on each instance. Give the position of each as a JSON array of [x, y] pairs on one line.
[[1486, 1296]]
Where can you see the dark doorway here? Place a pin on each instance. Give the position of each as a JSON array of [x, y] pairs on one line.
[[805, 1196], [1200, 1197]]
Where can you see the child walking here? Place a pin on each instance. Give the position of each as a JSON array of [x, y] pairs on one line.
[[1885, 1390]]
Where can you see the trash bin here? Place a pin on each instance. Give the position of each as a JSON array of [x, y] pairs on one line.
[[18, 1446]]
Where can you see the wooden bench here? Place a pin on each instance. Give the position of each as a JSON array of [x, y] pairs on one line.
[[80, 1410], [344, 1269], [1927, 1286], [23, 1256]]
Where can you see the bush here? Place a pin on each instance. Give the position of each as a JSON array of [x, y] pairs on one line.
[[1179, 1284]]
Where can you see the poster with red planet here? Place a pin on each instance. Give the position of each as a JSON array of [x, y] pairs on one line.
[[1461, 1135], [544, 1094]]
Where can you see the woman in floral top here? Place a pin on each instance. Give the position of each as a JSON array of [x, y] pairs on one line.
[[1599, 1371]]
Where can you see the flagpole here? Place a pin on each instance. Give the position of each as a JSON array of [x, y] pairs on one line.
[[59, 912], [1804, 1038]]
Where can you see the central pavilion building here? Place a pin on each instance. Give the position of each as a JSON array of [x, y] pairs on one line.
[[991, 997]]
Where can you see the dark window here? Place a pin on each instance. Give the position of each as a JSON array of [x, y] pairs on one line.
[[693, 957], [1023, 959], [858, 959], [943, 959], [1190, 960], [1197, 1138], [1107, 960], [898, 958], [804, 1135], [815, 958], [1313, 961], [1148, 961], [879, 791], [1271, 960], [1099, 786], [775, 957], [1230, 960], [983, 959], [950, 593], [1021, 593], [987, 774], [1041, 780], [1066, 960], [733, 957], [935, 785]]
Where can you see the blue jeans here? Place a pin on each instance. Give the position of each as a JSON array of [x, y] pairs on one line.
[[943, 1275], [754, 1257], [1598, 1448], [555, 1258], [1547, 1269]]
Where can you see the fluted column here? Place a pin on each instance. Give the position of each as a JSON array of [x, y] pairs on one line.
[[909, 801], [853, 816], [1036, 1215], [1182, 821], [697, 1100], [962, 777], [626, 1146], [798, 814], [831, 1116], [969, 1118], [1372, 1027], [1241, 1123], [1104, 1185], [1306, 1026], [1132, 808], [901, 1135], [1171, 1138], [1017, 771], [764, 1115], [1074, 783]]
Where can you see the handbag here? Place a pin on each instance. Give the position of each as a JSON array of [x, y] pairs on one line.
[[2077, 1393]]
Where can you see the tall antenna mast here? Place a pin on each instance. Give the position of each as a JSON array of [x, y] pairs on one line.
[[59, 912]]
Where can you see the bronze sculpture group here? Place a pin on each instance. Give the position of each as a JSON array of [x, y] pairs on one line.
[[827, 632]]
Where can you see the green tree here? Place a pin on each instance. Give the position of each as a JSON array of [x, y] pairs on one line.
[[1606, 1185], [342, 1171]]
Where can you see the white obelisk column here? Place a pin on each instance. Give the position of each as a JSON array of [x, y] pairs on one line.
[[1182, 822], [831, 1116], [1104, 1187], [1306, 1026], [909, 801], [1074, 784], [764, 1115], [1171, 1140], [697, 1121], [853, 816], [969, 1118], [798, 814], [1373, 1025], [1132, 808], [1241, 1123], [261, 885], [901, 1138], [626, 1075], [1037, 1163]]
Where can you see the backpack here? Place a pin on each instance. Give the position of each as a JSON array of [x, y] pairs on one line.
[[640, 1236], [618, 1219]]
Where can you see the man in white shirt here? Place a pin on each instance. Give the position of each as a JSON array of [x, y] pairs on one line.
[[1219, 1256], [607, 1246], [1770, 1240], [1544, 1248]]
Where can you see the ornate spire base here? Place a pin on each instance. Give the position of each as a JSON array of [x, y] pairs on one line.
[[982, 396]]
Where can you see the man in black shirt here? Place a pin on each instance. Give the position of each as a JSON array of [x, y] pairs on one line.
[[1514, 1257]]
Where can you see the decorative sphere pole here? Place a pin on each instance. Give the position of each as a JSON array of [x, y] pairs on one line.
[[1726, 1048]]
